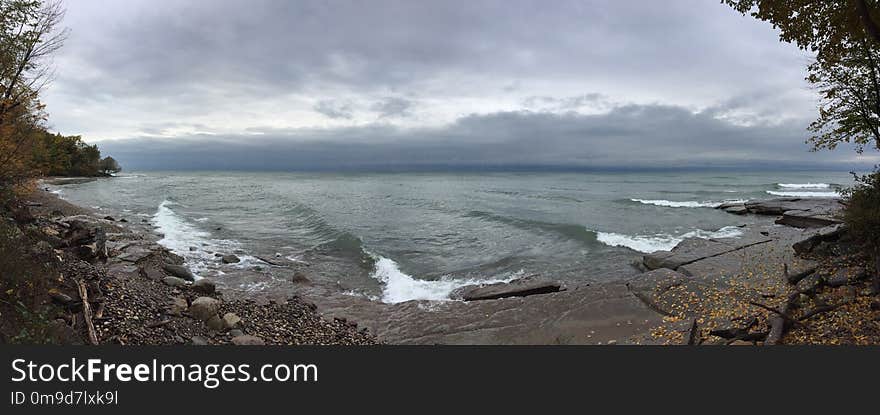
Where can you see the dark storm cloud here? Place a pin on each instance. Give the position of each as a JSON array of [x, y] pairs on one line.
[[629, 137]]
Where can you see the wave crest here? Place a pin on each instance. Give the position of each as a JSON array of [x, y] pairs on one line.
[[804, 185], [399, 286], [686, 204], [663, 242], [804, 194]]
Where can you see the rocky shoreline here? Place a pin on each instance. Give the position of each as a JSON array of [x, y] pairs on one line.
[[704, 291], [115, 285]]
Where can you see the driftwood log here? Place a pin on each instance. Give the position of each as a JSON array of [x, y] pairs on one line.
[[87, 312]]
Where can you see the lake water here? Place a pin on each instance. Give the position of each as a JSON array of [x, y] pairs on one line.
[[401, 236]]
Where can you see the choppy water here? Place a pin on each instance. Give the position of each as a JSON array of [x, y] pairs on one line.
[[402, 236]]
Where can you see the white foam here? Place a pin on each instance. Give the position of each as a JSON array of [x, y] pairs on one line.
[[400, 287], [804, 185], [687, 204], [178, 235], [663, 242], [804, 194]]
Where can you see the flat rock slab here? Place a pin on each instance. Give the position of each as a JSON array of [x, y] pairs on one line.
[[694, 249], [763, 260], [135, 255], [780, 206], [598, 313], [518, 288], [808, 218]]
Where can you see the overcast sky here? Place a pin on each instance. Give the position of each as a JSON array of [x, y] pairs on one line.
[[351, 84]]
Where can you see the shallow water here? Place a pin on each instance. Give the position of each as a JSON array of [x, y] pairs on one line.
[[401, 236]]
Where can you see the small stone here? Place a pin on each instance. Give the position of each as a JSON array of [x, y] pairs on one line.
[[248, 340], [231, 321], [204, 286], [110, 218], [203, 308], [199, 341], [230, 259], [741, 343], [236, 333], [215, 323], [178, 306]]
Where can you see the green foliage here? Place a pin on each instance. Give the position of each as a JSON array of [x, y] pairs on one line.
[[821, 26], [24, 280], [58, 155], [845, 36], [862, 214], [29, 36], [109, 165], [849, 107]]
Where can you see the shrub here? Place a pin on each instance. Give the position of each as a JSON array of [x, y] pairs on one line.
[[862, 214]]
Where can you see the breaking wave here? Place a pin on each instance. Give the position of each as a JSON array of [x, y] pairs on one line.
[[399, 286], [804, 194], [663, 242], [687, 204], [180, 236], [804, 185]]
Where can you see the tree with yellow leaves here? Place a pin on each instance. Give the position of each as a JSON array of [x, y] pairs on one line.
[[29, 34]]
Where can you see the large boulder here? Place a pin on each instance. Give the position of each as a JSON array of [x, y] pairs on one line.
[[518, 288], [179, 271], [203, 308]]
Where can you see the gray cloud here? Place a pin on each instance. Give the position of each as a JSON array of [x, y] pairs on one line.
[[393, 107], [631, 137], [577, 83], [335, 109]]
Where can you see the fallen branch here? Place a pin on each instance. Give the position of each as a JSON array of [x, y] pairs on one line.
[[780, 313], [741, 333], [87, 312]]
